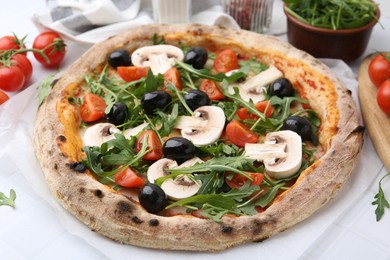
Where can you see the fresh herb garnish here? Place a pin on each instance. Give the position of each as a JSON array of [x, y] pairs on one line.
[[380, 200], [114, 155], [157, 41], [8, 201], [45, 88], [333, 14], [252, 65]]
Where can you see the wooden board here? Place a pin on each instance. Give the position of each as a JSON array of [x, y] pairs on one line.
[[377, 122]]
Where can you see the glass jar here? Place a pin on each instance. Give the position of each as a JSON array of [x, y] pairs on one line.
[[252, 15], [172, 11]]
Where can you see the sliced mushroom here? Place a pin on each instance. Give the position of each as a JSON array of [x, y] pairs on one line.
[[134, 131], [99, 133], [159, 58], [178, 188], [204, 127], [281, 153], [253, 88]]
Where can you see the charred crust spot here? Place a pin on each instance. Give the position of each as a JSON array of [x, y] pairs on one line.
[[61, 138], [349, 92], [257, 226], [227, 229], [260, 240], [136, 220], [124, 206], [55, 166], [154, 222], [92, 219], [98, 193], [358, 129], [82, 190]]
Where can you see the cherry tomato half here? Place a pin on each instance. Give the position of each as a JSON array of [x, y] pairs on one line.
[[243, 113], [55, 53], [211, 89], [225, 61], [92, 108], [3, 97], [154, 144], [128, 178], [24, 63], [379, 69], [239, 134], [383, 97], [172, 76], [132, 73], [10, 43], [239, 180], [11, 78]]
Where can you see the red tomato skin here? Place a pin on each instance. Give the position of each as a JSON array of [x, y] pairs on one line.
[[132, 73], [55, 57], [172, 76], [379, 70], [239, 134], [239, 180], [211, 89], [128, 178], [92, 108], [24, 63], [8, 42], [225, 61], [243, 113], [3, 97], [154, 144], [11, 78], [383, 97]]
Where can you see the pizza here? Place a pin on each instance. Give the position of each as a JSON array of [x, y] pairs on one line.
[[189, 137]]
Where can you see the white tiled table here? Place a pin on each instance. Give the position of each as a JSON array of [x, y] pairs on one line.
[[33, 231]]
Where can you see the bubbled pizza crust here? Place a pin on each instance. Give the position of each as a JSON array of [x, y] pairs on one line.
[[122, 219]]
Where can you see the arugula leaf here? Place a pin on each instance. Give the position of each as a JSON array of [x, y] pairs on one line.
[[167, 121], [158, 41], [45, 88], [252, 65], [8, 201], [269, 196], [206, 73], [104, 162], [238, 99], [380, 200], [217, 200], [220, 149]]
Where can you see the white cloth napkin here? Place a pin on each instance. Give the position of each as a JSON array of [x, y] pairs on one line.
[[91, 21]]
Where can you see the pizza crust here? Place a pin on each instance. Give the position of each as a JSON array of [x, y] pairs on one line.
[[120, 218]]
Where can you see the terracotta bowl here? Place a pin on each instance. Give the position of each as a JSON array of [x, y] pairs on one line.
[[346, 44]]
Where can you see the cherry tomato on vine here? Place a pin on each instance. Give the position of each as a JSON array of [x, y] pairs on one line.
[[11, 78], [132, 73], [383, 97], [55, 52], [239, 134], [172, 76], [239, 180], [92, 108], [211, 89], [24, 63], [154, 144], [128, 178], [243, 113], [9, 42], [225, 61], [379, 69], [3, 97]]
